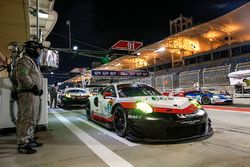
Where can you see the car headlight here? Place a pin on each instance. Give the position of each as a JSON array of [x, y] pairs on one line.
[[68, 95], [196, 103], [144, 107], [200, 112]]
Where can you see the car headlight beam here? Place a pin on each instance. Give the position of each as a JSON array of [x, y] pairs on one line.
[[144, 107], [200, 112], [68, 95], [196, 103]]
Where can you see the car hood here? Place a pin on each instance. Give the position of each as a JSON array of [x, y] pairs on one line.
[[160, 101]]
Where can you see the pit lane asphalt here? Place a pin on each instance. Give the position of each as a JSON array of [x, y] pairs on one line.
[[228, 147]]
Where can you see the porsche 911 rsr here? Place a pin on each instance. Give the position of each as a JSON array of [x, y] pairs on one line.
[[141, 113]]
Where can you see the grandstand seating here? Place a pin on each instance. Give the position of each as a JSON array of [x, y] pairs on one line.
[[218, 67]]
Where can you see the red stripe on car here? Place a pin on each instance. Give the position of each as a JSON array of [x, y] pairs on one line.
[[188, 110], [100, 118], [128, 105]]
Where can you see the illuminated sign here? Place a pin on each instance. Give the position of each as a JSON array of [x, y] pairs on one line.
[[127, 45], [119, 73]]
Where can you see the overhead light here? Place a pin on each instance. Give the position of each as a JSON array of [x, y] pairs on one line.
[[43, 15], [193, 46], [160, 49], [52, 73], [75, 48]]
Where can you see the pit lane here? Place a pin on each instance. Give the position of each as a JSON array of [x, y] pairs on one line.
[[73, 141]]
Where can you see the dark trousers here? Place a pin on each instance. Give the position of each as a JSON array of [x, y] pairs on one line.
[[53, 100]]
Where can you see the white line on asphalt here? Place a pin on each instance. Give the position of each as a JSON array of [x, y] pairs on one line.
[[243, 112], [113, 135], [109, 157]]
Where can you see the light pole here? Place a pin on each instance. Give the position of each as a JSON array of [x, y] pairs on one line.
[[68, 24], [37, 21]]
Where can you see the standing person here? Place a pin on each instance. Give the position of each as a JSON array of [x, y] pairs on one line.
[[29, 90], [53, 95]]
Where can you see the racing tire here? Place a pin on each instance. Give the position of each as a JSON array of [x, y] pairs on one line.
[[205, 100], [120, 121], [88, 109], [65, 106]]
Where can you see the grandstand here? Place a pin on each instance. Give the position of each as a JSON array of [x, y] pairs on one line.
[[203, 54]]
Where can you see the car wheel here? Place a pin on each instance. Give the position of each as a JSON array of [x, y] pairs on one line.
[[205, 100], [88, 109], [120, 121]]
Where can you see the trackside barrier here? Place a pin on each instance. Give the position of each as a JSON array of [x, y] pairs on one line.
[[147, 80], [242, 66], [216, 76], [164, 82], [128, 80], [189, 79]]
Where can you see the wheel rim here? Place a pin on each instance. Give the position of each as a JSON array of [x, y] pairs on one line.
[[205, 100], [120, 121]]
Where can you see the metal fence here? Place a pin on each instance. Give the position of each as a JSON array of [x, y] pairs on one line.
[[208, 77], [242, 66], [164, 82], [189, 78], [216, 76], [147, 80]]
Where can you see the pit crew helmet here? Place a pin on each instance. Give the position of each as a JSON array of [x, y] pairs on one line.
[[31, 48]]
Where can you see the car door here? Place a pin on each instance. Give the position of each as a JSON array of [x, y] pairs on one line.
[[106, 101]]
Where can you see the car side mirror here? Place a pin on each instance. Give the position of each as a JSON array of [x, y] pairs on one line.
[[107, 95]]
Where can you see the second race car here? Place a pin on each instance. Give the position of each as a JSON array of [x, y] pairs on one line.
[[73, 97], [141, 113], [205, 97]]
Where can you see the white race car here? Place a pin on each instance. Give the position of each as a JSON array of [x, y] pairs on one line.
[[141, 113], [73, 97]]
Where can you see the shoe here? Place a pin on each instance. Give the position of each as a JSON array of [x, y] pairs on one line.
[[33, 143], [25, 149]]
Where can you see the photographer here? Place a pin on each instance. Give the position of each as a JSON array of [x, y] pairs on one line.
[[29, 89]]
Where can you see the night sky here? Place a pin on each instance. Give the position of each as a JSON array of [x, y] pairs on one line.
[[103, 22]]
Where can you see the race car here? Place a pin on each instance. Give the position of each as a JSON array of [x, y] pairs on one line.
[[73, 97], [205, 97], [140, 113]]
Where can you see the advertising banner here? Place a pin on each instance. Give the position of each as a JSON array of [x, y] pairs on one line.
[[119, 73]]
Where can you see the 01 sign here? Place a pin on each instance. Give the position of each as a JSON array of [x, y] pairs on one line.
[[127, 45]]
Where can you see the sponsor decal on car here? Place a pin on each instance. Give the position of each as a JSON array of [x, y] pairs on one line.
[[134, 116]]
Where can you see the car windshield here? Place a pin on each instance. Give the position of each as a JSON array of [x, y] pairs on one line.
[[75, 91], [132, 90]]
